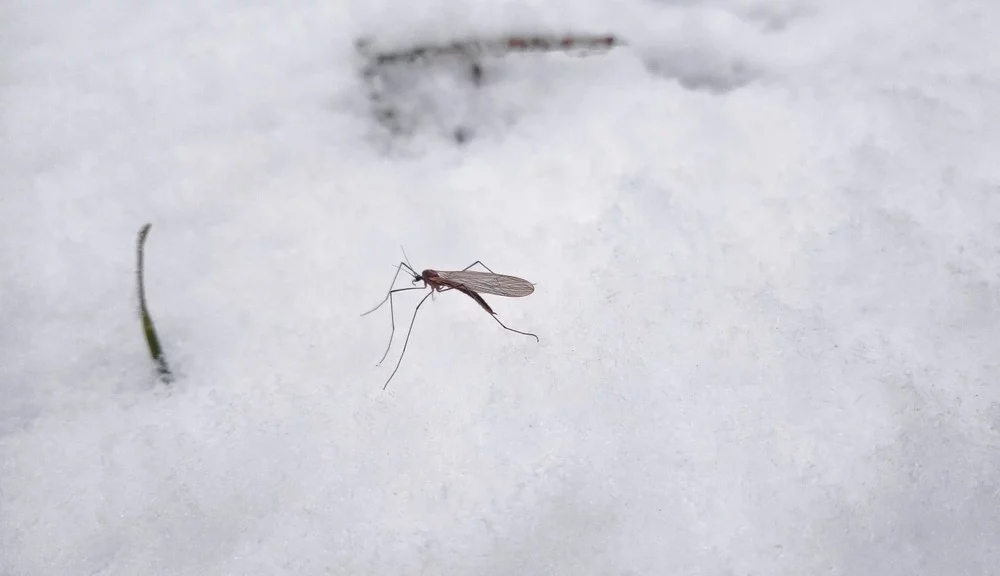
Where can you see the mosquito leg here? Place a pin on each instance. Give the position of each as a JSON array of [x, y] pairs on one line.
[[535, 336], [484, 266], [475, 296], [482, 303], [392, 316], [411, 270], [480, 263], [407, 341], [394, 276]]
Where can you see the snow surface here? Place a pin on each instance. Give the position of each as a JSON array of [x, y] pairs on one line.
[[765, 237]]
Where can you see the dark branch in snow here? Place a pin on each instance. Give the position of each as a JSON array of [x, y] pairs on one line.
[[497, 47], [385, 71]]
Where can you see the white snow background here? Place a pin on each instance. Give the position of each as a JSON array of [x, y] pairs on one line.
[[765, 238]]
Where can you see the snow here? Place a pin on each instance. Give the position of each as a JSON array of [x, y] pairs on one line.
[[765, 238]]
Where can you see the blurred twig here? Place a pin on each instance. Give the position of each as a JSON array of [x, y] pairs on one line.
[[377, 63], [495, 47]]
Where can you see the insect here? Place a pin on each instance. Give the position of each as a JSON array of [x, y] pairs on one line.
[[468, 282]]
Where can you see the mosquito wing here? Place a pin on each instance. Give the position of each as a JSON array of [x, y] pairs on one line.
[[498, 284]]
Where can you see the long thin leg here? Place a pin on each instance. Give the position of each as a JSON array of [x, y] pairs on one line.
[[481, 264], [512, 330], [392, 316], [479, 300], [393, 283], [484, 266], [407, 341], [482, 303], [392, 312]]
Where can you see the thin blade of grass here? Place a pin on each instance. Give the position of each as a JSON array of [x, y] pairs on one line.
[[155, 350]]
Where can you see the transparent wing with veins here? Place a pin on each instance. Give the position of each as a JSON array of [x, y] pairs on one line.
[[487, 283]]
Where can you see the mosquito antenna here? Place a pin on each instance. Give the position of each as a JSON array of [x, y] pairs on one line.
[[405, 257]]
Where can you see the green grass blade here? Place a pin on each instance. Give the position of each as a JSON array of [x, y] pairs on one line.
[[155, 350]]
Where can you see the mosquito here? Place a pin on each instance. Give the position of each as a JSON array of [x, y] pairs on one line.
[[468, 282]]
